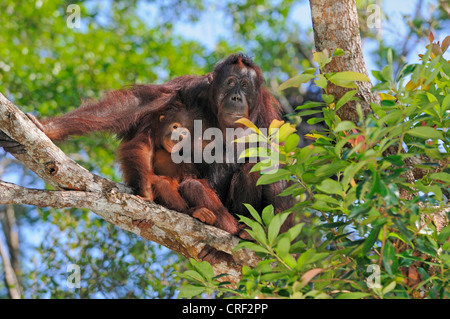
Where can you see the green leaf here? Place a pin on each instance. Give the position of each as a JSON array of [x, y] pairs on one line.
[[403, 238], [192, 274], [321, 206], [432, 76], [330, 186], [345, 98], [254, 213], [373, 235], [322, 58], [329, 169], [387, 72], [446, 103], [262, 165], [204, 268], [251, 138], [327, 199], [248, 221], [303, 259], [309, 71], [425, 132], [344, 83], [348, 76], [388, 103], [389, 287], [436, 190], [344, 126], [283, 247], [444, 235], [328, 98], [308, 112], [296, 81], [291, 142], [254, 152], [309, 105], [339, 52], [378, 75], [395, 159], [269, 178], [378, 187], [267, 214], [351, 170], [252, 246], [246, 122], [189, 291], [274, 227], [293, 232], [286, 130], [445, 177], [389, 258], [321, 81], [259, 234], [315, 120], [317, 257], [352, 295]]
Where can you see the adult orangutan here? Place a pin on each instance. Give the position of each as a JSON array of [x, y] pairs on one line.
[[233, 90]]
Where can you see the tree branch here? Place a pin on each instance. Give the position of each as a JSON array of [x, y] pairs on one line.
[[110, 200]]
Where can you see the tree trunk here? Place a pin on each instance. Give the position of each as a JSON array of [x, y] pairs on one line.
[[11, 234], [12, 284], [335, 24]]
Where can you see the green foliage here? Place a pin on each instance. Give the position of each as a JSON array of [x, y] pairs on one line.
[[201, 275], [366, 229], [113, 263]]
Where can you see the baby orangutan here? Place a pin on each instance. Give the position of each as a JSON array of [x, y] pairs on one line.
[[158, 178]]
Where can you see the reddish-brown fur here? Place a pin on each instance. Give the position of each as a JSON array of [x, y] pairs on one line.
[[133, 115], [148, 167]]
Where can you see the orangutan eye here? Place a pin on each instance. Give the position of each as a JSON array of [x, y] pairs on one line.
[[231, 82], [175, 126]]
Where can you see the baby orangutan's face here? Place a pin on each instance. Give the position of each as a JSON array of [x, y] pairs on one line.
[[175, 132]]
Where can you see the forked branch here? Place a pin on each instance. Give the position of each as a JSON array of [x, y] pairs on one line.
[[77, 187]]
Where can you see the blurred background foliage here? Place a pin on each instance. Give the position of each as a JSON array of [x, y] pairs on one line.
[[48, 68]]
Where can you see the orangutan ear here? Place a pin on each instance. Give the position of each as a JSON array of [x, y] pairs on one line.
[[161, 118], [210, 78]]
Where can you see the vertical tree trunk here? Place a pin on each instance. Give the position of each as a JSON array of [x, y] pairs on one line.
[[12, 283], [335, 24], [11, 235]]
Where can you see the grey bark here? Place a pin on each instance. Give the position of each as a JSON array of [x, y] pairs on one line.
[[336, 25], [10, 276], [10, 231]]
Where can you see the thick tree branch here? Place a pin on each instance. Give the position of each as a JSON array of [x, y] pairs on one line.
[[111, 201], [45, 158]]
